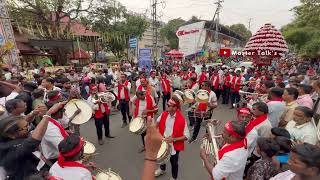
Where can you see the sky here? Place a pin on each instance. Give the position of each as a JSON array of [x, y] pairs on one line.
[[276, 12]]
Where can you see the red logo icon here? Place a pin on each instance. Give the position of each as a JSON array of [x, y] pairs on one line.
[[225, 52]]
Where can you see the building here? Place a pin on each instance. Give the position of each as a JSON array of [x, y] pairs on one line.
[[146, 40], [201, 36]]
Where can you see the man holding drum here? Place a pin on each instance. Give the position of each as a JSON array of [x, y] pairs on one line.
[[144, 106], [173, 127], [204, 109]]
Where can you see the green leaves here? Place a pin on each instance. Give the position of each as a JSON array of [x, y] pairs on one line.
[[241, 30], [169, 32], [303, 34]]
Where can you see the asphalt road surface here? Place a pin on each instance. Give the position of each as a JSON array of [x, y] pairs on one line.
[[121, 153]]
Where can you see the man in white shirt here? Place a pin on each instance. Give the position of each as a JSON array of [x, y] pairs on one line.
[[173, 127], [69, 166], [203, 111], [232, 156], [303, 163], [48, 85], [276, 106], [154, 81], [302, 128], [144, 106], [124, 87]]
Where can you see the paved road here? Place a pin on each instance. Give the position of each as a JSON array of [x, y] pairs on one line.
[[121, 154]]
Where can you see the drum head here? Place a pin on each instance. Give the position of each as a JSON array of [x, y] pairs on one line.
[[203, 96], [85, 114], [162, 150], [89, 148], [136, 124], [108, 176], [179, 92]]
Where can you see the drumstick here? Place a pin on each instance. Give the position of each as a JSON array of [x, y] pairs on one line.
[[76, 105]]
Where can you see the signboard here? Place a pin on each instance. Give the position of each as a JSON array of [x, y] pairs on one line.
[[145, 58], [6, 32], [191, 38], [133, 42]]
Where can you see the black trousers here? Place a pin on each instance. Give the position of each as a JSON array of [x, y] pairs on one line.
[[217, 92], [165, 99], [124, 108], [99, 122], [191, 118], [174, 165], [225, 94], [142, 137], [235, 97]]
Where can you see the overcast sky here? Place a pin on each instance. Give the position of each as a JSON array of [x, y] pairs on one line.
[[276, 12]]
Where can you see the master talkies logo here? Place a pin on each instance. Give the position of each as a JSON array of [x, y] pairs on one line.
[[225, 52]]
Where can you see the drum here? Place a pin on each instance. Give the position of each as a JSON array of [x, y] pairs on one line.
[[179, 92], [188, 96], [138, 125], [202, 96], [107, 175], [85, 114], [88, 148], [164, 153], [177, 97]]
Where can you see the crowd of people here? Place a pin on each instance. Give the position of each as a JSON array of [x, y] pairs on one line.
[[275, 135]]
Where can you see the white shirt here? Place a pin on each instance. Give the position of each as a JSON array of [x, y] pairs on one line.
[[195, 88], [142, 104], [122, 96], [276, 109], [138, 83], [64, 121], [176, 81], [12, 95], [232, 165], [264, 129], [169, 129], [46, 91], [306, 132], [50, 141], [155, 83], [252, 138], [70, 173], [287, 175], [213, 98]]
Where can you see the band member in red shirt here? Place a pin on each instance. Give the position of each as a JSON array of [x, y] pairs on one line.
[[193, 73], [236, 83], [226, 86], [216, 83], [173, 127], [166, 90], [203, 76]]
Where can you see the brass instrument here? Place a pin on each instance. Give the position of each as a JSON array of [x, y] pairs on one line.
[[105, 97], [209, 142]]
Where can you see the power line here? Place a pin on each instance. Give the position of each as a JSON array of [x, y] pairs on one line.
[[155, 26]]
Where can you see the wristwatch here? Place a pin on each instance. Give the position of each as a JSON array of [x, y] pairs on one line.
[[174, 140]]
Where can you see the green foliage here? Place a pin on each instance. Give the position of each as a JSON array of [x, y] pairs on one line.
[[114, 23], [241, 30], [303, 34], [169, 32]]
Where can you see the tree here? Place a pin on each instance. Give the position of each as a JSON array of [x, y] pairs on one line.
[[46, 17], [116, 25], [303, 34], [241, 30], [193, 19], [169, 32]]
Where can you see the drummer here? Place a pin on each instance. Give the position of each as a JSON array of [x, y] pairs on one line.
[[192, 84], [173, 127], [68, 166], [203, 109], [145, 86], [145, 106], [55, 132]]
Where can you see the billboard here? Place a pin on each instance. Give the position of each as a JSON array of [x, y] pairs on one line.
[[191, 38], [145, 58]]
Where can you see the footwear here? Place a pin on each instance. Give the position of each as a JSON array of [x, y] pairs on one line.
[[110, 137], [124, 125], [159, 172], [141, 150], [172, 178], [192, 140], [100, 141]]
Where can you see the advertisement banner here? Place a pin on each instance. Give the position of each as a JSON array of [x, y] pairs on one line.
[[145, 58], [191, 38]]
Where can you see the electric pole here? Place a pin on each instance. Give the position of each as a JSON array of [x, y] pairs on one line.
[[216, 37], [155, 26]]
